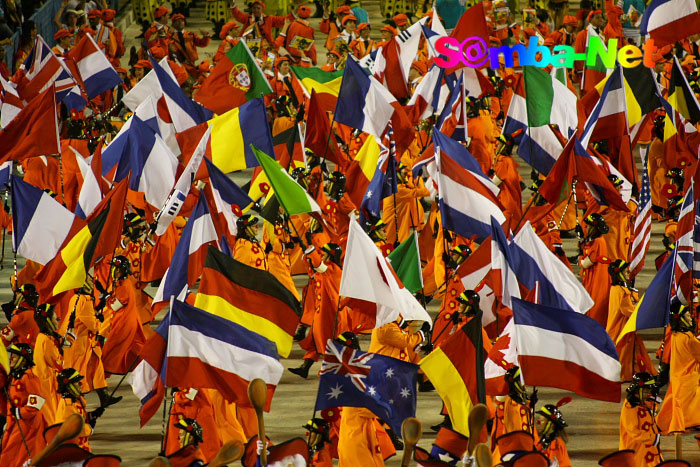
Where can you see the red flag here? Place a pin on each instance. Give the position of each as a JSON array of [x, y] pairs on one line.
[[318, 127], [34, 131], [394, 79], [472, 23]]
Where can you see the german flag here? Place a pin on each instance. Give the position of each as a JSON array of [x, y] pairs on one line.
[[681, 96], [456, 369], [68, 270], [250, 297]]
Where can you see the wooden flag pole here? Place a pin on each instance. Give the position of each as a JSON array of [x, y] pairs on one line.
[[411, 431], [257, 393]]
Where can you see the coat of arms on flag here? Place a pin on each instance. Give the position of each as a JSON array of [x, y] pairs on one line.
[[239, 77]]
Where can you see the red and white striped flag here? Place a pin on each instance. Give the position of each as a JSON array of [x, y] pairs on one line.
[[641, 232]]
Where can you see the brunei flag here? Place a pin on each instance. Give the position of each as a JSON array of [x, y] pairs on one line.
[[325, 83], [68, 270], [681, 96], [456, 369], [250, 297]]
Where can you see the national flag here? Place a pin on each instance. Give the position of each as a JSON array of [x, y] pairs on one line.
[[93, 184], [208, 351], [566, 350], [289, 150], [506, 284], [149, 161], [99, 236], [685, 245], [232, 134], [476, 84], [96, 72], [640, 93], [228, 198], [406, 48], [472, 24], [593, 74], [148, 86], [292, 196], [502, 356], [460, 154], [452, 120], [185, 112], [420, 106], [235, 80], [405, 260], [473, 273], [326, 84], [250, 297], [641, 230], [40, 224], [362, 169], [384, 385], [5, 174], [456, 369], [669, 21], [548, 101], [182, 187], [318, 127], [33, 131], [368, 276], [466, 204], [652, 311], [10, 102], [608, 119], [681, 96], [293, 452], [384, 183]]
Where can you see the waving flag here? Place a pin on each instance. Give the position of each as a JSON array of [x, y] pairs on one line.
[[91, 192], [681, 96], [207, 351], [641, 230], [325, 84], [405, 260], [384, 385], [421, 104], [384, 183], [609, 117], [566, 350], [686, 245], [506, 285], [668, 21], [228, 198], [10, 102], [149, 86], [96, 73]]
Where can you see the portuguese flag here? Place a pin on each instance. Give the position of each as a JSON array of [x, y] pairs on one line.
[[235, 80]]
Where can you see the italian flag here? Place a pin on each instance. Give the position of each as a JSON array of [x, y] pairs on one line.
[[548, 101]]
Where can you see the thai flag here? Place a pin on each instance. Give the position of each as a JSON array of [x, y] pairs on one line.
[[188, 259], [668, 21], [97, 73], [608, 118], [466, 203], [10, 102], [40, 223], [228, 198], [641, 231], [506, 285], [566, 350]]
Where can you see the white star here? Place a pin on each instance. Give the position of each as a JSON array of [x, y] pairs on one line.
[[391, 401], [389, 372], [369, 194], [405, 392], [372, 391], [446, 457], [335, 392]]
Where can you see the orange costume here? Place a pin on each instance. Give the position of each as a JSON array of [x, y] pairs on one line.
[[448, 308], [639, 433], [278, 256], [508, 180], [85, 355], [126, 335], [359, 440], [299, 28], [596, 279], [69, 408], [250, 253], [261, 27], [48, 362], [483, 133], [195, 404], [510, 416], [392, 341], [22, 328], [681, 407], [408, 209], [184, 45], [557, 450], [619, 237]]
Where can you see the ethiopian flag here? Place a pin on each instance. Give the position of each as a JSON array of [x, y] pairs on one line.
[[235, 80], [325, 83]]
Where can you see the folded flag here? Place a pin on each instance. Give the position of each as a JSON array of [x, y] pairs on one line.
[[10, 102], [384, 385], [96, 72], [40, 224], [251, 297], [292, 196], [566, 350], [681, 96], [456, 369], [669, 21], [608, 119], [208, 351], [405, 260], [147, 87], [235, 80], [93, 184], [318, 127]]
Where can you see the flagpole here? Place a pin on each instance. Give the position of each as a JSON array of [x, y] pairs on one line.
[[165, 426]]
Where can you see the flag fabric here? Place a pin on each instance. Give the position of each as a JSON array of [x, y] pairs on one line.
[[147, 87], [456, 369], [40, 224], [188, 259], [593, 74], [326, 84], [235, 80], [33, 131], [10, 102], [608, 119], [460, 154], [686, 245], [185, 112], [471, 24], [361, 171], [292, 196], [473, 272], [228, 198], [384, 183], [352, 378], [318, 127], [466, 204], [640, 93], [289, 150], [405, 260], [681, 96], [478, 85], [548, 101], [420, 106], [96, 72], [250, 297], [668, 21], [207, 351], [506, 283], [641, 230], [653, 309], [182, 187], [5, 174], [502, 356], [93, 184], [566, 350]]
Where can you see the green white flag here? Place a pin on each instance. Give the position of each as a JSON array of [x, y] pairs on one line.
[[405, 260], [549, 101], [292, 196]]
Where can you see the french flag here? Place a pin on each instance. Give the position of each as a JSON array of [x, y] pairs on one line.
[[97, 73], [566, 350], [466, 203], [40, 223], [228, 198], [188, 259], [668, 21], [218, 354]]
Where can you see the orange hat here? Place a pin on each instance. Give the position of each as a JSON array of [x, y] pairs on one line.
[[177, 16], [549, 42], [259, 2], [120, 69], [333, 52], [160, 11], [593, 13], [390, 29], [348, 18], [531, 459], [420, 67], [570, 20], [143, 64], [362, 26], [95, 14], [226, 28], [108, 14], [343, 10], [515, 441], [400, 19], [495, 40], [204, 66], [61, 33], [279, 61], [304, 11], [618, 459]]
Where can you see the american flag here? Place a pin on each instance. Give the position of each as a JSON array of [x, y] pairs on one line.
[[641, 232]]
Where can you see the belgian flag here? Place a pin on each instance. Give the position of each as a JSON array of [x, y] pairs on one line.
[[68, 270], [681, 96], [456, 369], [248, 296]]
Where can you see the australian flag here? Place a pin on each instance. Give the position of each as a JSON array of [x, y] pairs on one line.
[[384, 385]]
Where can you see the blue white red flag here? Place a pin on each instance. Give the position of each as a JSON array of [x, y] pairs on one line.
[[668, 21], [97, 74]]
